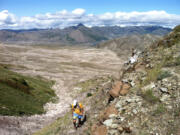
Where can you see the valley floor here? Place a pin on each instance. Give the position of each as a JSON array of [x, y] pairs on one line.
[[67, 66]]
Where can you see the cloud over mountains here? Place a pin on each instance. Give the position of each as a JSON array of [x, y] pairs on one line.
[[66, 18]]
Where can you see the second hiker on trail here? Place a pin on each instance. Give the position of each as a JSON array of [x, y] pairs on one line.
[[77, 112]]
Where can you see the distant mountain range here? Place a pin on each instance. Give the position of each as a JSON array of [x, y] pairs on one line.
[[123, 45], [79, 34]]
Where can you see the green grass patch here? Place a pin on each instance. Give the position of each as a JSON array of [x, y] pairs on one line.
[[177, 29], [170, 61], [143, 132], [89, 95], [22, 95], [86, 85], [152, 74], [160, 109], [163, 74], [149, 96], [171, 39]]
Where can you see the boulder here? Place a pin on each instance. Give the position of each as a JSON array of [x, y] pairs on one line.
[[125, 89], [164, 90], [107, 112], [114, 92], [99, 130], [108, 122]]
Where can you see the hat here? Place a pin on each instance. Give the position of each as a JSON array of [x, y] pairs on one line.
[[75, 102]]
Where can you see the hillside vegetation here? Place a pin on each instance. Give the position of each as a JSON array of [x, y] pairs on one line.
[[23, 95]]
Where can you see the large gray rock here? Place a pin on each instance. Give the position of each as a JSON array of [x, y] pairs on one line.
[[108, 122], [164, 90]]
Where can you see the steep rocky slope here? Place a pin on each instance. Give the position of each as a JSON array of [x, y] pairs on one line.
[[147, 96]]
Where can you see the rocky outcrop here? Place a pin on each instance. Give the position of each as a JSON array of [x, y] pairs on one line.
[[115, 91], [119, 88], [125, 89], [147, 95], [107, 112]]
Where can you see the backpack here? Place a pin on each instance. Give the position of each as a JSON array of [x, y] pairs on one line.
[[77, 106]]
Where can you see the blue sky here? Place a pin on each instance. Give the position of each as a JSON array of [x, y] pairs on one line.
[[25, 14], [32, 7]]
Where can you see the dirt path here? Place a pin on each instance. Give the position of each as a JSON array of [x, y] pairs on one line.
[[66, 66]]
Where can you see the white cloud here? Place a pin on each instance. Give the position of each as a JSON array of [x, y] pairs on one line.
[[78, 11], [7, 18], [66, 18]]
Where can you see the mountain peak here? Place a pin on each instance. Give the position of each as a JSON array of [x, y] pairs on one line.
[[80, 25]]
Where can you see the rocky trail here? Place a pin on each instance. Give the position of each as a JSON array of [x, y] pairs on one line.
[[67, 66]]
